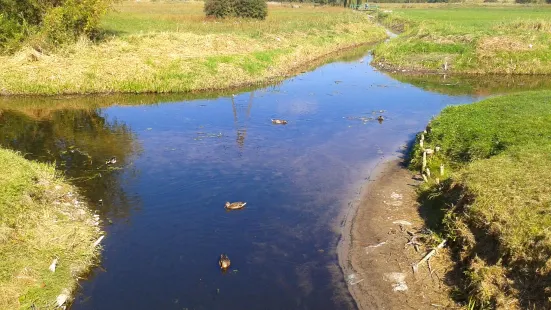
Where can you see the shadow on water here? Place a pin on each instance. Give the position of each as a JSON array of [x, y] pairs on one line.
[[179, 162]]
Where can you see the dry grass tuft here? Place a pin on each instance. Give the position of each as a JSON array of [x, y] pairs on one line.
[[491, 45]]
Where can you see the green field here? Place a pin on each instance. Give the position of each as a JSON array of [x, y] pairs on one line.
[[478, 40], [173, 47], [493, 200], [42, 220]]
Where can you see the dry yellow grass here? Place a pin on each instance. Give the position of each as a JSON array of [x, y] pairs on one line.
[[172, 47], [42, 219]]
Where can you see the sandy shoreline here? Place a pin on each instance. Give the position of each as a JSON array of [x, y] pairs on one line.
[[372, 251]]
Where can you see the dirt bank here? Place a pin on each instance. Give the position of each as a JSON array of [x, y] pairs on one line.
[[374, 254]]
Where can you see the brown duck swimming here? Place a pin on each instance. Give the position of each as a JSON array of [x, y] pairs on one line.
[[235, 205], [224, 262], [279, 122]]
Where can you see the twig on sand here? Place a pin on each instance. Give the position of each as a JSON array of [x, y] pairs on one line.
[[429, 255], [414, 243]]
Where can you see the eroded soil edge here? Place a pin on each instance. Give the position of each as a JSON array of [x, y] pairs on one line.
[[374, 252]]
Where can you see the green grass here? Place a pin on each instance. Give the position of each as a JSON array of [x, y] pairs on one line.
[[475, 40], [41, 220], [172, 47], [495, 195]]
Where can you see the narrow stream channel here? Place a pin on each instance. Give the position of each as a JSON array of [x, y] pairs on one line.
[[179, 161]]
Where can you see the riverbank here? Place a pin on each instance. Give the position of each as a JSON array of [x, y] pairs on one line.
[[458, 38], [47, 235], [374, 252], [492, 200], [172, 47]]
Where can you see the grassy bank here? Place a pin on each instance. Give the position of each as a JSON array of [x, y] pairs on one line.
[[475, 40], [493, 200], [173, 47], [41, 220]]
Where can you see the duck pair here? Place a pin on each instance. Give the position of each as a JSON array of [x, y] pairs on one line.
[[224, 261]]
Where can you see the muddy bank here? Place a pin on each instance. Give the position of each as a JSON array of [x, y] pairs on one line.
[[374, 252]]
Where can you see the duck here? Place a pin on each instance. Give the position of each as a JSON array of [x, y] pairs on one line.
[[224, 262], [111, 161], [380, 119], [279, 122], [235, 205]]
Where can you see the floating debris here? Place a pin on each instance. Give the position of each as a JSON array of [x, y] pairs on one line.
[[380, 119], [364, 119], [203, 135], [279, 122]]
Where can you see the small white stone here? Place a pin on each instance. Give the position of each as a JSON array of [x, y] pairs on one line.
[[53, 265], [398, 280], [62, 298]]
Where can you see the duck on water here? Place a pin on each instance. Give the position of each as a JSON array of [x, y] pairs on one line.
[[235, 205]]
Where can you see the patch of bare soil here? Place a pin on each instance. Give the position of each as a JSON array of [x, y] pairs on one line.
[[377, 253]]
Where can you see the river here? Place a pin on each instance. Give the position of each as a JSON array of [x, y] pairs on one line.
[[179, 159]]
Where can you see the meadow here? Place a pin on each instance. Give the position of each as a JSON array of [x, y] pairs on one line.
[[492, 201], [487, 39], [42, 221], [172, 47]]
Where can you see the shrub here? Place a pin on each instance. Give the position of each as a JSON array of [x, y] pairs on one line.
[[219, 8], [10, 31], [59, 21], [251, 9], [74, 18], [238, 8]]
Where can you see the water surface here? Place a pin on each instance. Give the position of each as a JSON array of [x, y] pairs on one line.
[[180, 159]]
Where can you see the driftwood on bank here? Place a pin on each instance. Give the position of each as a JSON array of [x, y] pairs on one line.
[[428, 256]]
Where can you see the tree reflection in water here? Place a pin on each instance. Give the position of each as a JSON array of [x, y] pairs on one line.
[[79, 142]]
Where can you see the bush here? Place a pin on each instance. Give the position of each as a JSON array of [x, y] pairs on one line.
[[73, 19], [251, 9], [219, 8], [10, 31], [237, 8], [59, 21]]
